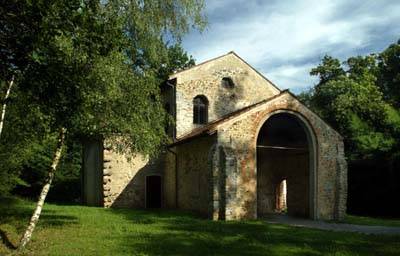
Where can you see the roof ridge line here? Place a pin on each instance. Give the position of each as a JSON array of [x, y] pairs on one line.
[[208, 127], [201, 63], [237, 56]]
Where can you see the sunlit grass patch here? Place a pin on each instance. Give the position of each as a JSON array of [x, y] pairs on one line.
[[80, 230]]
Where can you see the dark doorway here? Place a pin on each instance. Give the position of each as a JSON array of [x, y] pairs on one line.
[[92, 173], [283, 154], [153, 191]]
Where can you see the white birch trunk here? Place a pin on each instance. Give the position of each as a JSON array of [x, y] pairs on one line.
[[3, 112], [36, 214]]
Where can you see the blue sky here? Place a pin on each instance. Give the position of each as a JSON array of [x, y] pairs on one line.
[[285, 39]]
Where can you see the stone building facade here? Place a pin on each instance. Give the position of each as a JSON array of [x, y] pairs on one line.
[[237, 137]]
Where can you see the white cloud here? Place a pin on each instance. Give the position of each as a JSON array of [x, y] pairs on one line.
[[295, 75], [285, 39]]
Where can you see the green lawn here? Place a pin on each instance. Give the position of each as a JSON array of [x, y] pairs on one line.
[[360, 220], [78, 230]]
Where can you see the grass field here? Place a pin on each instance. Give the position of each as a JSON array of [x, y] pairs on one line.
[[359, 220], [78, 230]]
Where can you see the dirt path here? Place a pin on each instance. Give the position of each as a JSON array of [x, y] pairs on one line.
[[282, 219]]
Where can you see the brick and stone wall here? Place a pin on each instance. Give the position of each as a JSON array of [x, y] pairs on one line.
[[186, 179], [206, 79], [240, 135]]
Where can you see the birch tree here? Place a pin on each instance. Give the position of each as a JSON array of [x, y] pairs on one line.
[[94, 68], [16, 42], [45, 190], [3, 111]]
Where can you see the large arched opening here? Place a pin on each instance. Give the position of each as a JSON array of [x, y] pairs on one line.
[[286, 175]]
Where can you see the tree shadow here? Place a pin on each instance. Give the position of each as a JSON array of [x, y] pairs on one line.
[[6, 241], [172, 233], [49, 218], [15, 216]]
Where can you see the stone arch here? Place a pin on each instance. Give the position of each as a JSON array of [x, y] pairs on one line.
[[312, 146]]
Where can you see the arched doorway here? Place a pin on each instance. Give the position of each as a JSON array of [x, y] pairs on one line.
[[286, 166]]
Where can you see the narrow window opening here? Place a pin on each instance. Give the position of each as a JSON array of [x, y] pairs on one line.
[[227, 82], [200, 110]]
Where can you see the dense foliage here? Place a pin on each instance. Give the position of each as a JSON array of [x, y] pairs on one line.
[[92, 67], [360, 98]]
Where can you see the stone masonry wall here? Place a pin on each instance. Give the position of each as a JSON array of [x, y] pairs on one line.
[[206, 79], [240, 135], [217, 175], [125, 177], [170, 179], [194, 175]]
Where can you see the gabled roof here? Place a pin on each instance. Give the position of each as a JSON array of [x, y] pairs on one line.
[[212, 127], [222, 56]]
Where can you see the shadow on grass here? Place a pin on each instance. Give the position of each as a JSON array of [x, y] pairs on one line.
[[172, 233], [96, 231], [21, 216], [6, 241], [15, 216]]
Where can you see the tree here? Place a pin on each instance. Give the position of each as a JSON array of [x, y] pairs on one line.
[[358, 112], [24, 130], [19, 23], [329, 69], [352, 102], [360, 98], [177, 60], [94, 69], [389, 73]]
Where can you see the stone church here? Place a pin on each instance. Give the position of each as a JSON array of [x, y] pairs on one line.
[[242, 148]]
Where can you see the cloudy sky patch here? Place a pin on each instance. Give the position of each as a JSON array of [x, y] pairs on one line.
[[285, 39]]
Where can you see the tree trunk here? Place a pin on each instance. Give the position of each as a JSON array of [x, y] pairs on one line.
[[3, 112], [36, 214]]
